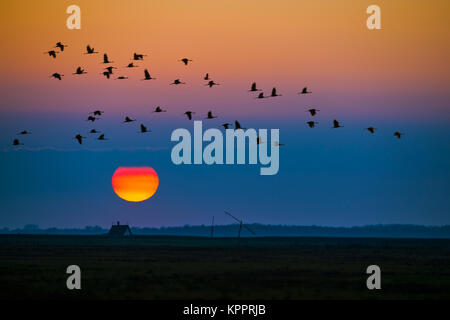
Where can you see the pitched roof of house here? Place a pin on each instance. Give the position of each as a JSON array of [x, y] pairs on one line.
[[119, 230]]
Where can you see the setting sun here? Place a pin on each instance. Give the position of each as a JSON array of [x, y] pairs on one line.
[[135, 183]]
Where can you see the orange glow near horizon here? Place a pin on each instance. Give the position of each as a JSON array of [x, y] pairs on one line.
[[135, 184]]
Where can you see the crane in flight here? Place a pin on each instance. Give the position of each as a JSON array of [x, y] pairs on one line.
[[90, 50], [60, 46], [185, 61], [189, 114]]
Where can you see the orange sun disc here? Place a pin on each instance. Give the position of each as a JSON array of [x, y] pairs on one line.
[[135, 183]]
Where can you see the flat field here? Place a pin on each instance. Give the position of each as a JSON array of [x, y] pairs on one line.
[[159, 267]]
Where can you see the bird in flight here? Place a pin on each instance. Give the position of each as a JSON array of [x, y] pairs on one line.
[[311, 124], [274, 93], [189, 114], [110, 69], [24, 132], [206, 77], [253, 87], [57, 76], [304, 91], [261, 96], [158, 109], [237, 125], [177, 81], [106, 74], [121, 78], [102, 137], [128, 119], [105, 59], [226, 125], [94, 131], [97, 112], [212, 83], [51, 53], [210, 115], [278, 144], [398, 134], [147, 75], [185, 61], [131, 65], [336, 124], [16, 142], [80, 71], [60, 46], [137, 56], [90, 50], [92, 118], [313, 111], [371, 129], [144, 129], [79, 138]]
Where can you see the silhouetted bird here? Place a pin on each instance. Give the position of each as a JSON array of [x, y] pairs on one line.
[[336, 124], [110, 69], [102, 137], [147, 75], [127, 119], [158, 109], [226, 125], [79, 71], [189, 114], [131, 65], [177, 81], [237, 125], [92, 118], [253, 87], [90, 50], [57, 76], [212, 83], [185, 61], [278, 144], [371, 129], [398, 134], [51, 53], [206, 77], [137, 56], [274, 93], [313, 111], [16, 142], [261, 96], [24, 132], [79, 138], [105, 59], [94, 131], [106, 74], [258, 140], [210, 115], [144, 129], [97, 112], [60, 46], [121, 78], [311, 124], [304, 91]]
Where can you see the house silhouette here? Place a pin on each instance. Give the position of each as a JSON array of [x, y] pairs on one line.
[[119, 230]]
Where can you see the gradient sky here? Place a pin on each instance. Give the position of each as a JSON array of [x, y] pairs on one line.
[[393, 79]]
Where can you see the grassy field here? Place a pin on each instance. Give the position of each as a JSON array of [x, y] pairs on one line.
[[157, 267]]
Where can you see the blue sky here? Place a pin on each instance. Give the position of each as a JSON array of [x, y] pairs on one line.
[[327, 177]]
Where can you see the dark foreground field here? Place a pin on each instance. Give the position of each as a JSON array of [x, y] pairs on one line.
[[33, 267]]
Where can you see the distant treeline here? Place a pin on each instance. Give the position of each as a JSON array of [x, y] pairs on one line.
[[261, 230]]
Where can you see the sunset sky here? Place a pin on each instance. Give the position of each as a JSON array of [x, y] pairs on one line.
[[396, 78]]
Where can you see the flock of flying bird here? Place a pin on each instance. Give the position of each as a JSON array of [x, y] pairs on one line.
[[95, 115]]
